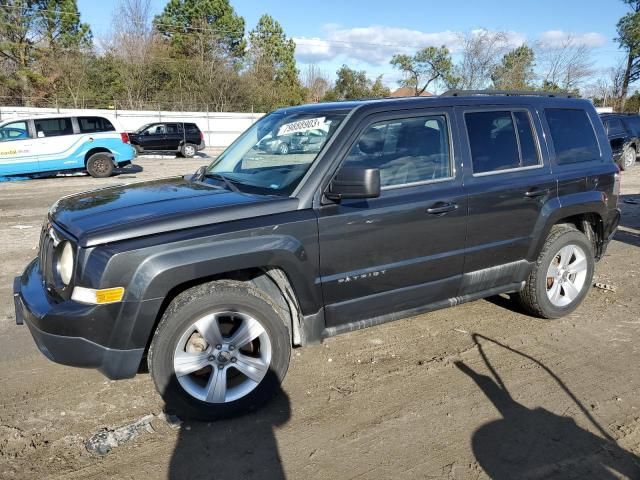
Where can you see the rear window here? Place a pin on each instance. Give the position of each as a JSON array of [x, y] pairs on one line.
[[53, 127], [634, 124], [501, 140], [95, 124], [572, 135]]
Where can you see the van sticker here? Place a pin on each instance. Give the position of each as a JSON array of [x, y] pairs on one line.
[[14, 151], [302, 126]]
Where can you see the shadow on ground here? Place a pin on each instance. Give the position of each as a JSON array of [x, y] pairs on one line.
[[237, 449], [171, 154], [539, 444]]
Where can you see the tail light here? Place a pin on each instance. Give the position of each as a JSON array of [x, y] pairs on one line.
[[201, 136], [125, 137]]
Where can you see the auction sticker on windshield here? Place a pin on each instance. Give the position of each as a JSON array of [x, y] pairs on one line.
[[302, 126]]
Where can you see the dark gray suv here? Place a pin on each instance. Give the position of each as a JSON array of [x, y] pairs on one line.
[[183, 138], [409, 205]]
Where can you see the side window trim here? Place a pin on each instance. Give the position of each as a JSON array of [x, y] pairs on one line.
[[398, 115], [75, 126], [534, 132]]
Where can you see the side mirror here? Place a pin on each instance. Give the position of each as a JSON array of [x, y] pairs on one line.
[[200, 173], [354, 182]]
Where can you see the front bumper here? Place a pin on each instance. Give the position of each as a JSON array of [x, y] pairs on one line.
[[59, 328]]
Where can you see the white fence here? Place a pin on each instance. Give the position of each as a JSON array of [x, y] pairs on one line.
[[219, 128]]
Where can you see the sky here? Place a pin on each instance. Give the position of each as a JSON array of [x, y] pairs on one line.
[[364, 34]]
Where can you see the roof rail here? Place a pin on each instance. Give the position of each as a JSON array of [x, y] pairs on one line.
[[506, 93]]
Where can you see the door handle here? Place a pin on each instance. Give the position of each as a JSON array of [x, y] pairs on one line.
[[536, 192], [442, 207]]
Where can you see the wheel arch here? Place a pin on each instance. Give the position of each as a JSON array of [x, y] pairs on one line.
[[95, 150], [273, 281], [585, 211], [277, 267]]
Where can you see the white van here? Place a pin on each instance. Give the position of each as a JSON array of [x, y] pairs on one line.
[[56, 143]]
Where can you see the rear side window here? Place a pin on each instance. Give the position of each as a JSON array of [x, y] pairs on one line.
[[501, 140], [572, 135], [95, 124], [172, 128], [614, 126], [191, 128], [53, 127]]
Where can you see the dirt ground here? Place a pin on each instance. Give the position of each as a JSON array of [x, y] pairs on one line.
[[472, 392]]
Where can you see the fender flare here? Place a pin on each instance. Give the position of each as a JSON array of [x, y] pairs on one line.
[[159, 274], [556, 209]]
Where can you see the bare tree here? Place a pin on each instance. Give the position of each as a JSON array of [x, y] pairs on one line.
[[565, 66], [132, 25], [135, 47], [316, 82], [482, 52], [606, 90]]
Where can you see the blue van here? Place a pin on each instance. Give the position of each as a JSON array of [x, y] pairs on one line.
[[58, 143]]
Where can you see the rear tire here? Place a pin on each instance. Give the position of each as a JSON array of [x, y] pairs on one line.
[[188, 150], [628, 158], [562, 275], [198, 346], [100, 165]]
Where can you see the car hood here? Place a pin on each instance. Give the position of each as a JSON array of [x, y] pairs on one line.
[[139, 209]]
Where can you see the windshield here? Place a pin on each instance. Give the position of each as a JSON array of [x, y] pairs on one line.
[[273, 155], [142, 128]]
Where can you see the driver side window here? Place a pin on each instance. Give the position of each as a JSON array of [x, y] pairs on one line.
[[407, 150], [14, 131], [156, 130]]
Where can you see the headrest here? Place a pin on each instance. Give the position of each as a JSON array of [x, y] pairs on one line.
[[371, 142]]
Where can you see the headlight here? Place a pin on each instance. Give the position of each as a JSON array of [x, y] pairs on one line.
[[65, 263]]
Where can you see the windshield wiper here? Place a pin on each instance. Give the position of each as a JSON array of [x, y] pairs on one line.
[[229, 184]]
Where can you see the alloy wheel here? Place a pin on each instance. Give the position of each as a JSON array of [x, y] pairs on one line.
[[189, 151], [629, 158], [222, 357], [566, 275]]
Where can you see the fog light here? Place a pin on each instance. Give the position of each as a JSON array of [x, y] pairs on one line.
[[97, 297]]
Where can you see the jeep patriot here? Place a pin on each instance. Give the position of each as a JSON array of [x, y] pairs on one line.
[[408, 205]]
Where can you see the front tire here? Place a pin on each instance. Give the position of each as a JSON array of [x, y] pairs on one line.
[[220, 349], [188, 150], [100, 165], [283, 148], [562, 275]]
